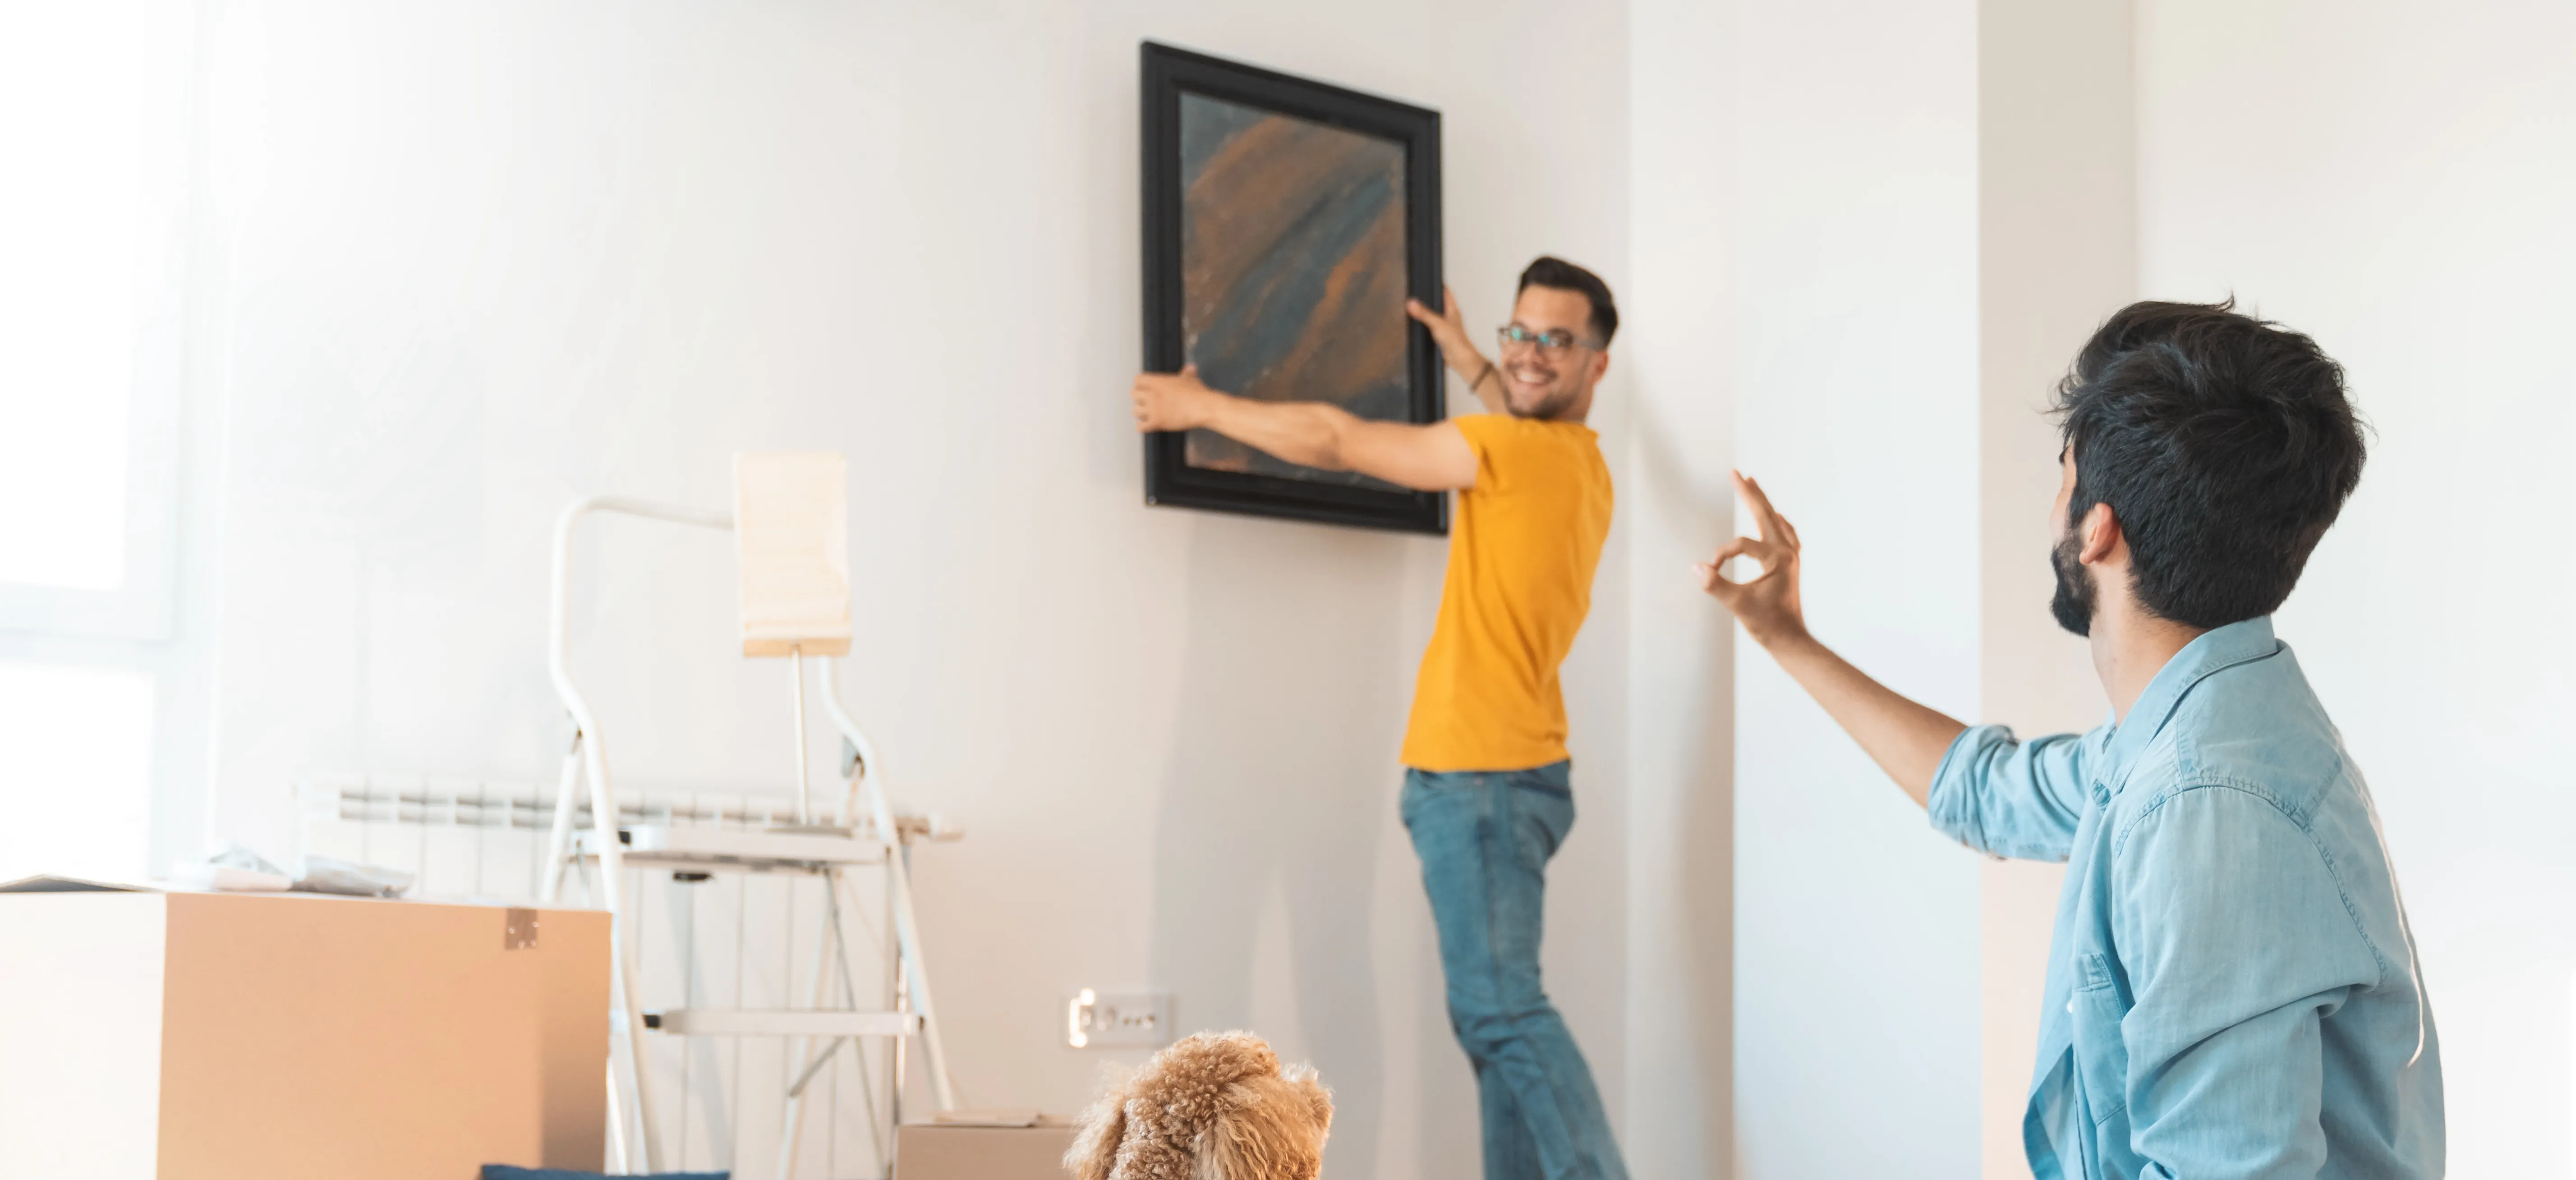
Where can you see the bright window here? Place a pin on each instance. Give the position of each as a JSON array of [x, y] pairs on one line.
[[71, 132], [95, 133], [75, 770]]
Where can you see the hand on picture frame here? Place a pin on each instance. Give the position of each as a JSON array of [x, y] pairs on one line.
[[1449, 331], [1173, 401]]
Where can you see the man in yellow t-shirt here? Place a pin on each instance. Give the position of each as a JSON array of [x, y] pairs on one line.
[[1487, 792]]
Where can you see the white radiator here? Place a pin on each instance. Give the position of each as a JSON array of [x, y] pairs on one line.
[[733, 940]]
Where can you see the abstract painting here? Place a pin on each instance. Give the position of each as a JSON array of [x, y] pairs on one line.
[[1286, 223]]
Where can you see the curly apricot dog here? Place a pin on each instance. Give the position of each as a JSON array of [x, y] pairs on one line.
[[1215, 1106]]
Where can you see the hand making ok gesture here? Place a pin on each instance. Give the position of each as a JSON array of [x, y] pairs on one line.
[[1767, 604]]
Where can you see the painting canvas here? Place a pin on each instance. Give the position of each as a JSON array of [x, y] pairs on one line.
[[1286, 222]]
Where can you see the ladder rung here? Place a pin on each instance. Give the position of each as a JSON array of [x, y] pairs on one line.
[[732, 849], [782, 1022]]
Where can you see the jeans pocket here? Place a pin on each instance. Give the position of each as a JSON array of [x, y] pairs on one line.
[[1410, 801], [1539, 822], [1555, 778]]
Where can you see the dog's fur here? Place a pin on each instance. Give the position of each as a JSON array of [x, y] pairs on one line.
[[1215, 1106]]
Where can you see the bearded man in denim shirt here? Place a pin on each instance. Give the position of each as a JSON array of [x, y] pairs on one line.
[[2232, 987]]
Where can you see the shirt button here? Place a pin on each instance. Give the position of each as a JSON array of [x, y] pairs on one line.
[[2070, 1005]]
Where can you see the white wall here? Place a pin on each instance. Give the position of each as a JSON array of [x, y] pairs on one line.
[[467, 262], [1853, 276], [2396, 181], [1676, 345], [473, 260], [2056, 253]]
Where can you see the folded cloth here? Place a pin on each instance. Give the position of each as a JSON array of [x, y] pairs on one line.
[[234, 869], [507, 1172], [324, 874]]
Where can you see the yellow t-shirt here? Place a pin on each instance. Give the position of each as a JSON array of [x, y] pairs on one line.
[[1521, 557]]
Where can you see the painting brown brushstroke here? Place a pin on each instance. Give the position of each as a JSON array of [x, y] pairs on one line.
[[1292, 270]]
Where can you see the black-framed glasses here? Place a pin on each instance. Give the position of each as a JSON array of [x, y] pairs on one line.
[[1552, 343]]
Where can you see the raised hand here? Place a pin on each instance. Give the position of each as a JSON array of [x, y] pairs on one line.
[[1172, 401], [1449, 331], [1767, 604]]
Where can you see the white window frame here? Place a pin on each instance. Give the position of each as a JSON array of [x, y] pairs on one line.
[[142, 607]]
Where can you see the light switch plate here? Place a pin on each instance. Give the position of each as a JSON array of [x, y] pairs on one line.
[[1093, 1019]]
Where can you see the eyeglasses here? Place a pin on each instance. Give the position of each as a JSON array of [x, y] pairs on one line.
[[1552, 343]]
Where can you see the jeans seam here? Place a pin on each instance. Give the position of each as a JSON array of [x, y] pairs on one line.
[[1502, 855], [1506, 868]]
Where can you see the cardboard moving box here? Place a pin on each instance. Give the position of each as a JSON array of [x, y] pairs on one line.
[[297, 1037], [931, 1151]]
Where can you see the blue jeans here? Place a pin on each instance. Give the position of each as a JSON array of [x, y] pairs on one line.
[[1485, 838]]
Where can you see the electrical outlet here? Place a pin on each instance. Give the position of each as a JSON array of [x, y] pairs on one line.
[[1096, 1018]]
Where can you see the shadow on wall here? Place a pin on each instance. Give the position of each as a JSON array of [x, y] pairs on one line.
[[1280, 779], [1695, 507]]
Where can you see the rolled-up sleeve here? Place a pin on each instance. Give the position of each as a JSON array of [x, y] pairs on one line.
[[2008, 797]]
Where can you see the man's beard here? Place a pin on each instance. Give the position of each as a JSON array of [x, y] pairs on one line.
[[1548, 409], [2073, 602]]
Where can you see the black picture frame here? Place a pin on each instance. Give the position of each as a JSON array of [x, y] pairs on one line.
[[1167, 74]]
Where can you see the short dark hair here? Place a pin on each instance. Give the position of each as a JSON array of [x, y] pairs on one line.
[[1557, 273], [2224, 444]]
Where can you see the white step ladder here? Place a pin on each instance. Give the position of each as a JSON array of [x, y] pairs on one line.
[[866, 837]]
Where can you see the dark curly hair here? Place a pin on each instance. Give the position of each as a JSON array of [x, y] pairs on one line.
[[2224, 444]]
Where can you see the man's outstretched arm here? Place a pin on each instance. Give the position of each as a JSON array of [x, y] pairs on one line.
[[1905, 738], [1433, 458]]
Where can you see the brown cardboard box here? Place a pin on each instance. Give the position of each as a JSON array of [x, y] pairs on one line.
[[297, 1037], [924, 1151]]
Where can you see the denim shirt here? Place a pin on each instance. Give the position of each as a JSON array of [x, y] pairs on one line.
[[2232, 987]]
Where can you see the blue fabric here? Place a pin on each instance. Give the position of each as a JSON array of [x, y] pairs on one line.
[[2232, 987], [1485, 838], [510, 1172]]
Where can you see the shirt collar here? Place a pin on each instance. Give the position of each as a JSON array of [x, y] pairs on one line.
[[2211, 653]]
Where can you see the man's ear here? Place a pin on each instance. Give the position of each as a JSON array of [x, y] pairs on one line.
[[2099, 537], [1600, 365]]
